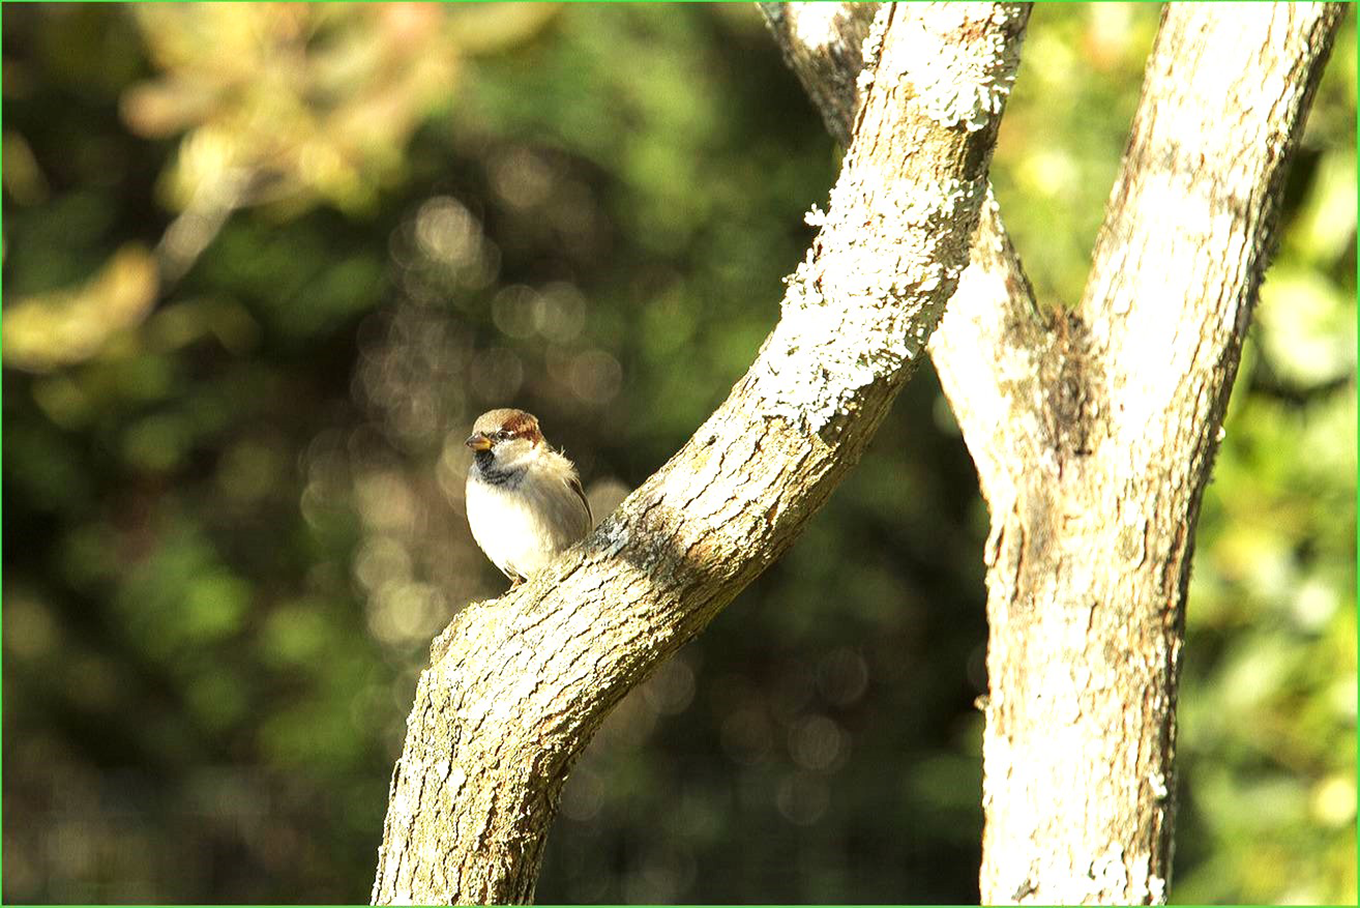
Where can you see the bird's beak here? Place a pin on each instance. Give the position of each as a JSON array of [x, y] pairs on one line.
[[478, 441]]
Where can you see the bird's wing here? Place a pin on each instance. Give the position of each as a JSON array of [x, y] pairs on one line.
[[575, 483]]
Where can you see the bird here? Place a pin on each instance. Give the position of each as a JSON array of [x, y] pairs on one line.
[[525, 503]]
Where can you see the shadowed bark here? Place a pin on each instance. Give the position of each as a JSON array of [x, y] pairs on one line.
[[517, 686], [1094, 433]]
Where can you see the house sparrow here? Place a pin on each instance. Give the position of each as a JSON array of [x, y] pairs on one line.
[[524, 500]]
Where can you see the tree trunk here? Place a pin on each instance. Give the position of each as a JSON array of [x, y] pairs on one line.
[[1094, 433], [1094, 520], [518, 685]]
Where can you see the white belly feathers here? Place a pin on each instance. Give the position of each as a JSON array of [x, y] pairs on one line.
[[520, 528]]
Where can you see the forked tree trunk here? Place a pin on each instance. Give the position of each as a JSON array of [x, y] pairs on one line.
[[517, 686], [1094, 433]]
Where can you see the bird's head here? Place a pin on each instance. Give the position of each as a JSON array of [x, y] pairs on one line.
[[504, 439]]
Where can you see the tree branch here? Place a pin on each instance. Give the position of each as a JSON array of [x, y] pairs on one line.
[[823, 44], [1191, 220], [993, 309], [517, 686], [1094, 434]]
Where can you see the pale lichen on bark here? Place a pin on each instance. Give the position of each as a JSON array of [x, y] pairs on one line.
[[890, 282], [892, 294], [961, 83]]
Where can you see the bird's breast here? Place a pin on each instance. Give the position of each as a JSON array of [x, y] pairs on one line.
[[522, 526]]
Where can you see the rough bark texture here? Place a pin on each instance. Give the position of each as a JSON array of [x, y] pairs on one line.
[[991, 334], [517, 686], [823, 43], [1094, 520], [1094, 433]]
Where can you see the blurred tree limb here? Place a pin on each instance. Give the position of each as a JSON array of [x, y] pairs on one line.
[[517, 686], [1094, 433]]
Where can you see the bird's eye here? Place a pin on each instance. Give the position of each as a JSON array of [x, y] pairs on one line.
[[502, 435]]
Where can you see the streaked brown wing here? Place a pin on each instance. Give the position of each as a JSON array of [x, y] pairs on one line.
[[575, 484]]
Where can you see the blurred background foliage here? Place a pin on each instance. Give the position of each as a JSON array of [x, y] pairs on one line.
[[264, 264]]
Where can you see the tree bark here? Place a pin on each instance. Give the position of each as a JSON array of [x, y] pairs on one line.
[[823, 44], [992, 332], [1094, 521], [517, 686], [1094, 433]]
